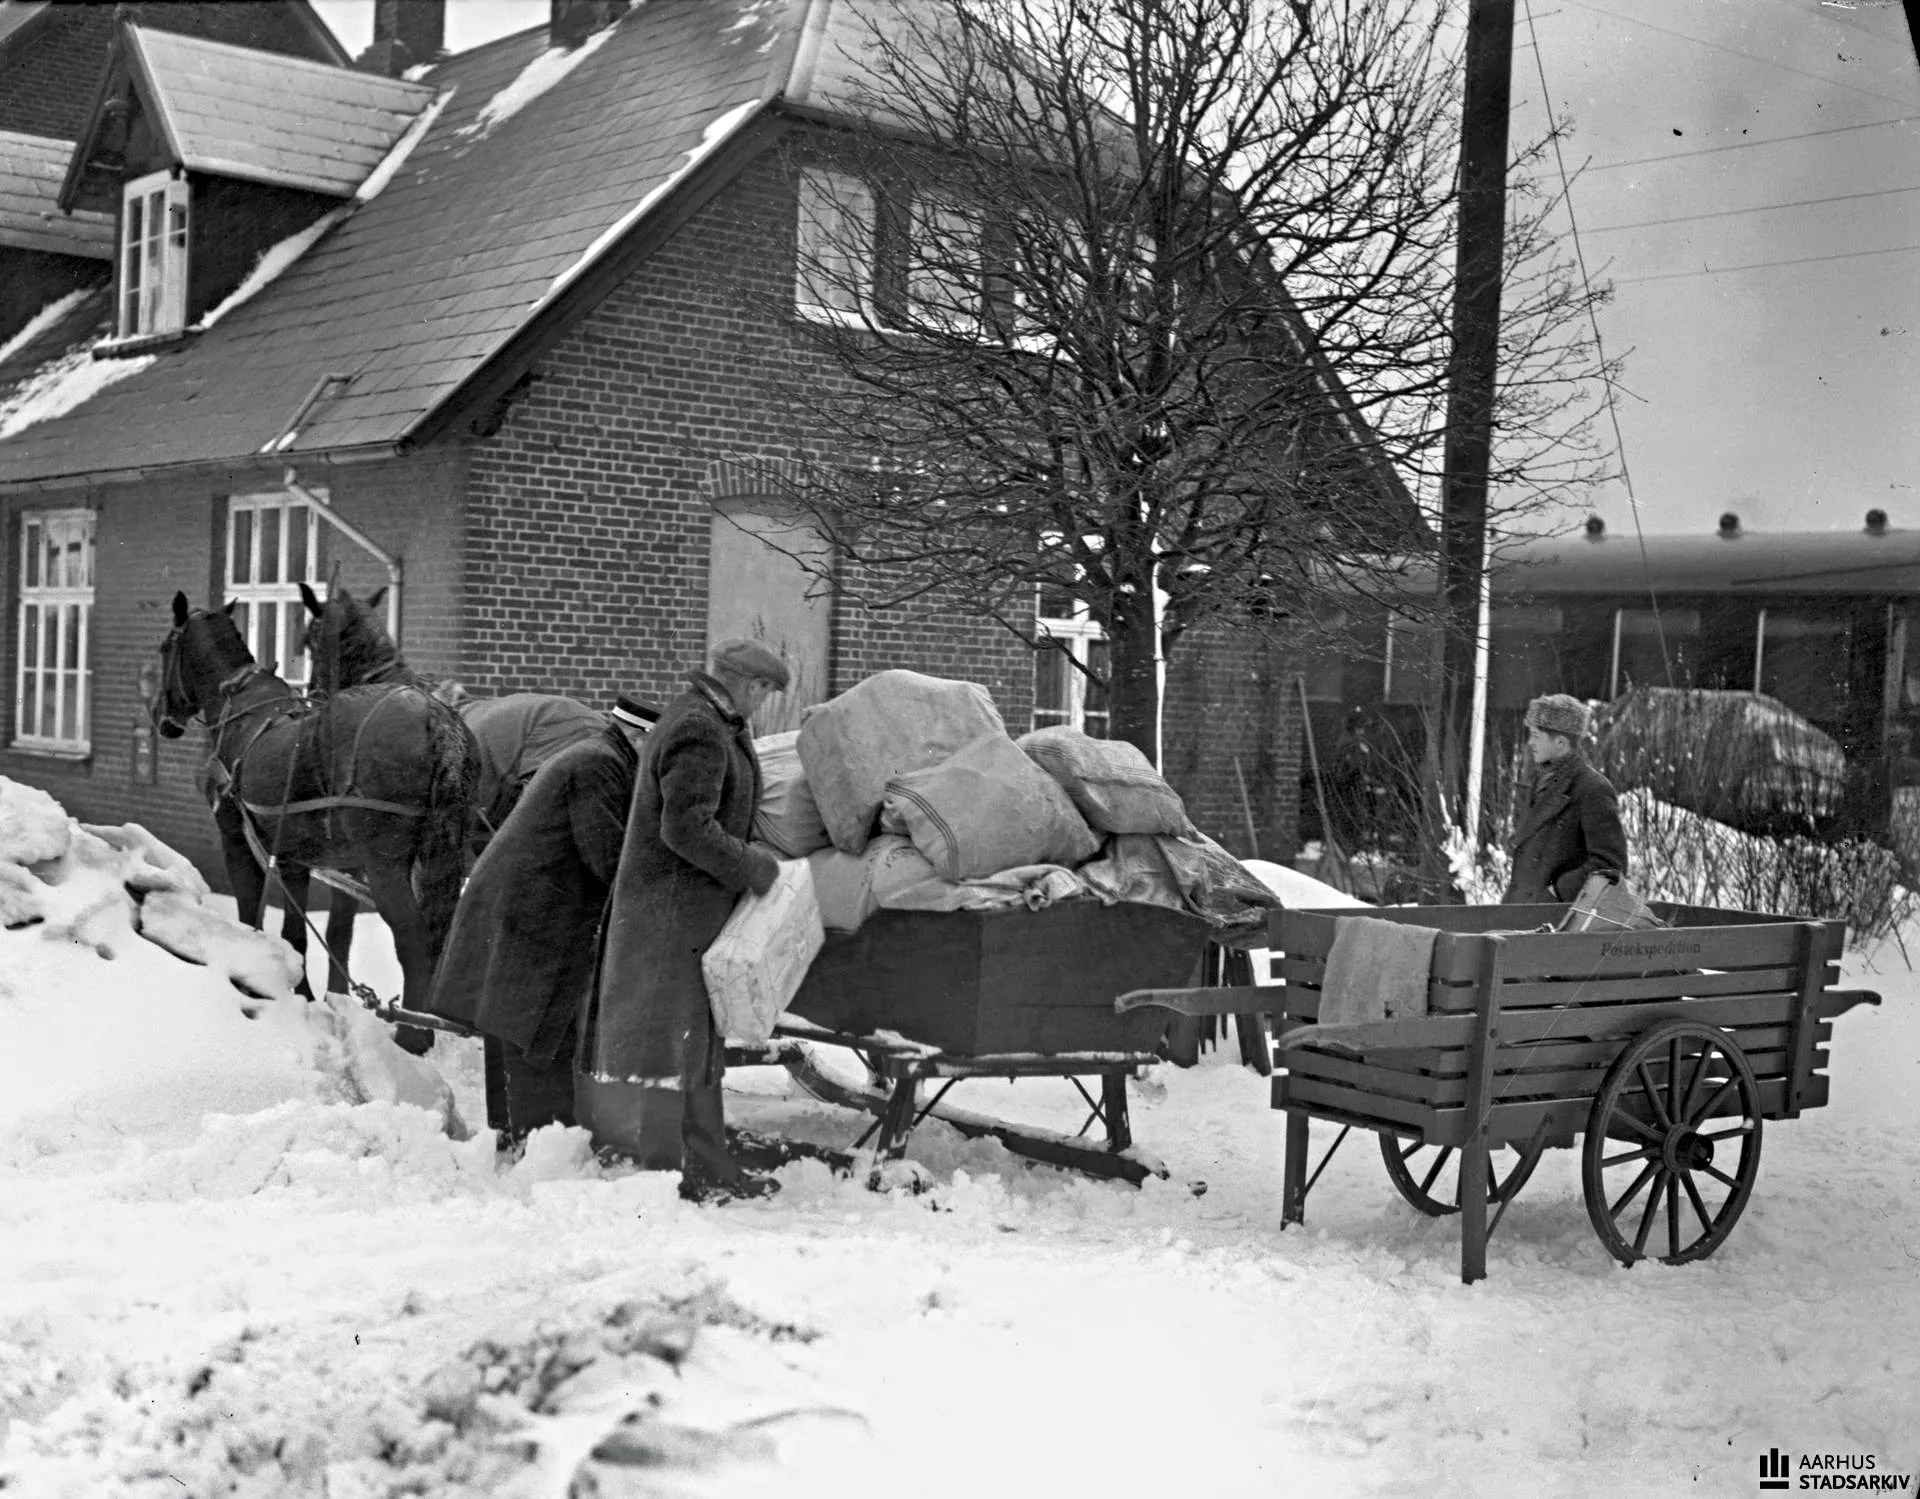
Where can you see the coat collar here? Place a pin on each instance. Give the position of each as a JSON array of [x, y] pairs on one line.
[[1551, 792], [711, 689]]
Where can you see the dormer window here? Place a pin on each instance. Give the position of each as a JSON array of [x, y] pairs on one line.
[[153, 255]]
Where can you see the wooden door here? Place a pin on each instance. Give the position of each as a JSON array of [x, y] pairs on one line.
[[757, 588]]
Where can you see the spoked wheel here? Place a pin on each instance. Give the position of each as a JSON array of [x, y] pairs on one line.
[[1673, 1145], [1428, 1176]]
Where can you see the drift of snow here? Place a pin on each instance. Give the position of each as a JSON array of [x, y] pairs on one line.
[[273, 260], [253, 1286], [396, 158], [62, 384], [534, 80], [45, 318]]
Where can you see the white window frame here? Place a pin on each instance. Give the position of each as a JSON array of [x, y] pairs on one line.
[[153, 256], [260, 585], [1077, 632], [834, 232], [63, 664]]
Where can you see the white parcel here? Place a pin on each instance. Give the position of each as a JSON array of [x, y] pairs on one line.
[[763, 952]]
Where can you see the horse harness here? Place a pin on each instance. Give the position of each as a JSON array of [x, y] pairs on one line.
[[223, 780]]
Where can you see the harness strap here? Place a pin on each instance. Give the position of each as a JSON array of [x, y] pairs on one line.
[[328, 803], [345, 883]]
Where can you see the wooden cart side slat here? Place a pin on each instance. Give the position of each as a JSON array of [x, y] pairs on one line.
[[1435, 1089], [1375, 1111], [1547, 1053], [1301, 977], [1813, 957], [1512, 1123]]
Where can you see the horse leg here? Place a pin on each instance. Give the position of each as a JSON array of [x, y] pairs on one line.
[[392, 887], [342, 908], [295, 885]]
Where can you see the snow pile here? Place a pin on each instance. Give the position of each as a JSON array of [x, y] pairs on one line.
[[42, 320], [62, 384], [133, 1006]]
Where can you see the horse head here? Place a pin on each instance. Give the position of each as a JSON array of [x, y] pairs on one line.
[[201, 651], [345, 640]]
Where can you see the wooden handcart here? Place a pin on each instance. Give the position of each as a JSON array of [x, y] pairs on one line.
[[1663, 1051], [930, 999]]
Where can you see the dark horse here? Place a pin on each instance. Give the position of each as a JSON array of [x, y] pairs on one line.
[[517, 734], [376, 782]]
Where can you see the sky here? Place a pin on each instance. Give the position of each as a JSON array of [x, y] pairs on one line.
[[1747, 174]]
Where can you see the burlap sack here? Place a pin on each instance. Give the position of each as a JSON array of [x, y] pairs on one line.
[[892, 723], [985, 808], [1112, 785], [787, 819]]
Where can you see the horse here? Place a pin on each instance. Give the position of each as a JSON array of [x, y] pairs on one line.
[[376, 781], [517, 734]]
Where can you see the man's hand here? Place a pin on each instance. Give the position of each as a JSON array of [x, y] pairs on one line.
[[762, 868]]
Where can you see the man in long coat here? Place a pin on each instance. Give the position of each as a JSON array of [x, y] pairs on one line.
[[650, 1082], [1569, 827], [518, 962]]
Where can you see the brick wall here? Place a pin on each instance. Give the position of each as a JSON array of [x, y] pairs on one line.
[[48, 83], [589, 520], [1231, 694], [155, 537]]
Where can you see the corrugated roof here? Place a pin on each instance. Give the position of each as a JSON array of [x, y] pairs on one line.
[[416, 289], [266, 117], [31, 169]]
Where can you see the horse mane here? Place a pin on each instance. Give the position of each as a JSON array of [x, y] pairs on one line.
[[359, 646]]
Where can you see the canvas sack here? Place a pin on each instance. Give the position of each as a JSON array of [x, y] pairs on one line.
[[1111, 783], [755, 965], [787, 819], [892, 723], [985, 808]]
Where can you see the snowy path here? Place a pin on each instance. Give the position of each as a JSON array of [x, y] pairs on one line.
[[256, 1306]]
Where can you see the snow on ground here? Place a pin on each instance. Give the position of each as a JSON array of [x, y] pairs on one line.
[[230, 1280]]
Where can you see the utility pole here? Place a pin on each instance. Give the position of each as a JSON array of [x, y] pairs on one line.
[[1479, 258]]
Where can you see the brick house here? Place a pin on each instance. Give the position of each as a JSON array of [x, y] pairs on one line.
[[499, 351]]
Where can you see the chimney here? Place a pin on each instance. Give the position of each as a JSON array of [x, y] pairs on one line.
[[1729, 526], [1876, 522], [406, 33], [571, 22], [1596, 528]]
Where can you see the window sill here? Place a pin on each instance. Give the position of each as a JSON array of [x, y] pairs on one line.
[[46, 750], [145, 343]]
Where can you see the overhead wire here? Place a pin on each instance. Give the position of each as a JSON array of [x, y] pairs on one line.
[[1770, 140], [1764, 265], [1599, 345], [1730, 213]]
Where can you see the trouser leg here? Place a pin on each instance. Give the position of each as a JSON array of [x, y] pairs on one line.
[[495, 1055]]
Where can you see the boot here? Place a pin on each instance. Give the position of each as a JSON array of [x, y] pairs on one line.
[[708, 1171]]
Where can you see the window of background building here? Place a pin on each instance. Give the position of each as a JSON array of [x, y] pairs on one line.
[[1062, 692], [273, 545], [1654, 653], [1803, 661], [834, 254], [1523, 654], [52, 677], [1413, 662]]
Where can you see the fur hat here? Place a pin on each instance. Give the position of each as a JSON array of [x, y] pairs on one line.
[[749, 658], [635, 712], [1557, 713]]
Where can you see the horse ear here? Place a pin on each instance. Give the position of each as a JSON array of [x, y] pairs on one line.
[[373, 599], [228, 607], [180, 610], [311, 600]]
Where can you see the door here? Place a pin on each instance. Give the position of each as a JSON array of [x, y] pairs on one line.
[[757, 588]]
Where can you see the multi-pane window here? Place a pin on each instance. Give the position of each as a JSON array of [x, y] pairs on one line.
[[1413, 662], [52, 680], [943, 267], [1069, 679], [274, 544], [153, 256], [834, 256]]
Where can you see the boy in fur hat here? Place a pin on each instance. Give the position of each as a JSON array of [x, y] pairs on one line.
[[1569, 826]]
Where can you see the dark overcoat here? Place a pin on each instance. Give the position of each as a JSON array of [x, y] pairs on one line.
[[683, 865], [1568, 829], [518, 962]]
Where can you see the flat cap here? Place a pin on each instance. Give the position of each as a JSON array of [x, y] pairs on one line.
[[636, 711], [1559, 713], [749, 658]]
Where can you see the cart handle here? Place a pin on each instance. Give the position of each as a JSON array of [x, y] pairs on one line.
[[1249, 999]]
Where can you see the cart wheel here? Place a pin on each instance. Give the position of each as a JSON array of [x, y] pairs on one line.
[[1428, 1176], [1677, 1119]]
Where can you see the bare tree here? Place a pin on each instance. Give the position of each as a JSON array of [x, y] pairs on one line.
[[1141, 304]]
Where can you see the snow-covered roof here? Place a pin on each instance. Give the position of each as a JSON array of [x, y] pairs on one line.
[[31, 167]]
